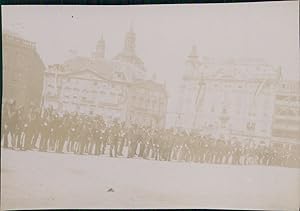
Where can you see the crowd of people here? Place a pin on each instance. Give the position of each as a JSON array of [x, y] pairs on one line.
[[47, 131]]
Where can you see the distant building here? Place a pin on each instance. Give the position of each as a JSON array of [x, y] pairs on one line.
[[111, 88], [233, 98], [147, 103], [23, 70], [286, 118], [84, 89]]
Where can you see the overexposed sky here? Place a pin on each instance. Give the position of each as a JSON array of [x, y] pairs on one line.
[[165, 33]]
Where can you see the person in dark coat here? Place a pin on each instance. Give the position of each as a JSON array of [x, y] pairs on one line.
[[45, 131], [83, 139], [36, 124], [104, 137], [114, 140], [4, 124], [122, 139], [28, 131], [134, 136], [12, 122]]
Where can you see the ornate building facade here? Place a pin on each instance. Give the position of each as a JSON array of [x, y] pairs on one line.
[[116, 88], [22, 70], [147, 104], [231, 98], [286, 118]]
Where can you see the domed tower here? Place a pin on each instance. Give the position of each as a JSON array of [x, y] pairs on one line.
[[193, 55], [191, 89], [100, 48], [129, 45], [192, 64], [128, 55]]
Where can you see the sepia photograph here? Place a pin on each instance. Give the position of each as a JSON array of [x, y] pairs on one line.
[[151, 106]]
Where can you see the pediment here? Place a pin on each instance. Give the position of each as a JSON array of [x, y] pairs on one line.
[[224, 75], [86, 74]]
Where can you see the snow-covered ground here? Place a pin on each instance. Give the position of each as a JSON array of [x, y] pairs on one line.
[[49, 180]]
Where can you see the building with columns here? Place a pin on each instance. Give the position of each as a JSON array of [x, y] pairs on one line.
[[114, 88], [230, 98]]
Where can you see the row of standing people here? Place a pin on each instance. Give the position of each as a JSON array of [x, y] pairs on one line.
[[35, 129]]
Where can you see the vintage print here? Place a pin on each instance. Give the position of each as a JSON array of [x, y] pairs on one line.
[[151, 106]]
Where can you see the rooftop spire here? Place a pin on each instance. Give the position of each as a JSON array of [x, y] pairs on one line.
[[193, 59], [100, 48], [193, 53], [129, 45]]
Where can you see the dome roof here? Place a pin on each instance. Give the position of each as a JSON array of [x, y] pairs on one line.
[[130, 58]]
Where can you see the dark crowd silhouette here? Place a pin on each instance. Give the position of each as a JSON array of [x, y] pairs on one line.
[[45, 130]]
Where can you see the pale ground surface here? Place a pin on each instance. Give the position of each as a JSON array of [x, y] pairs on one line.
[[48, 180]]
